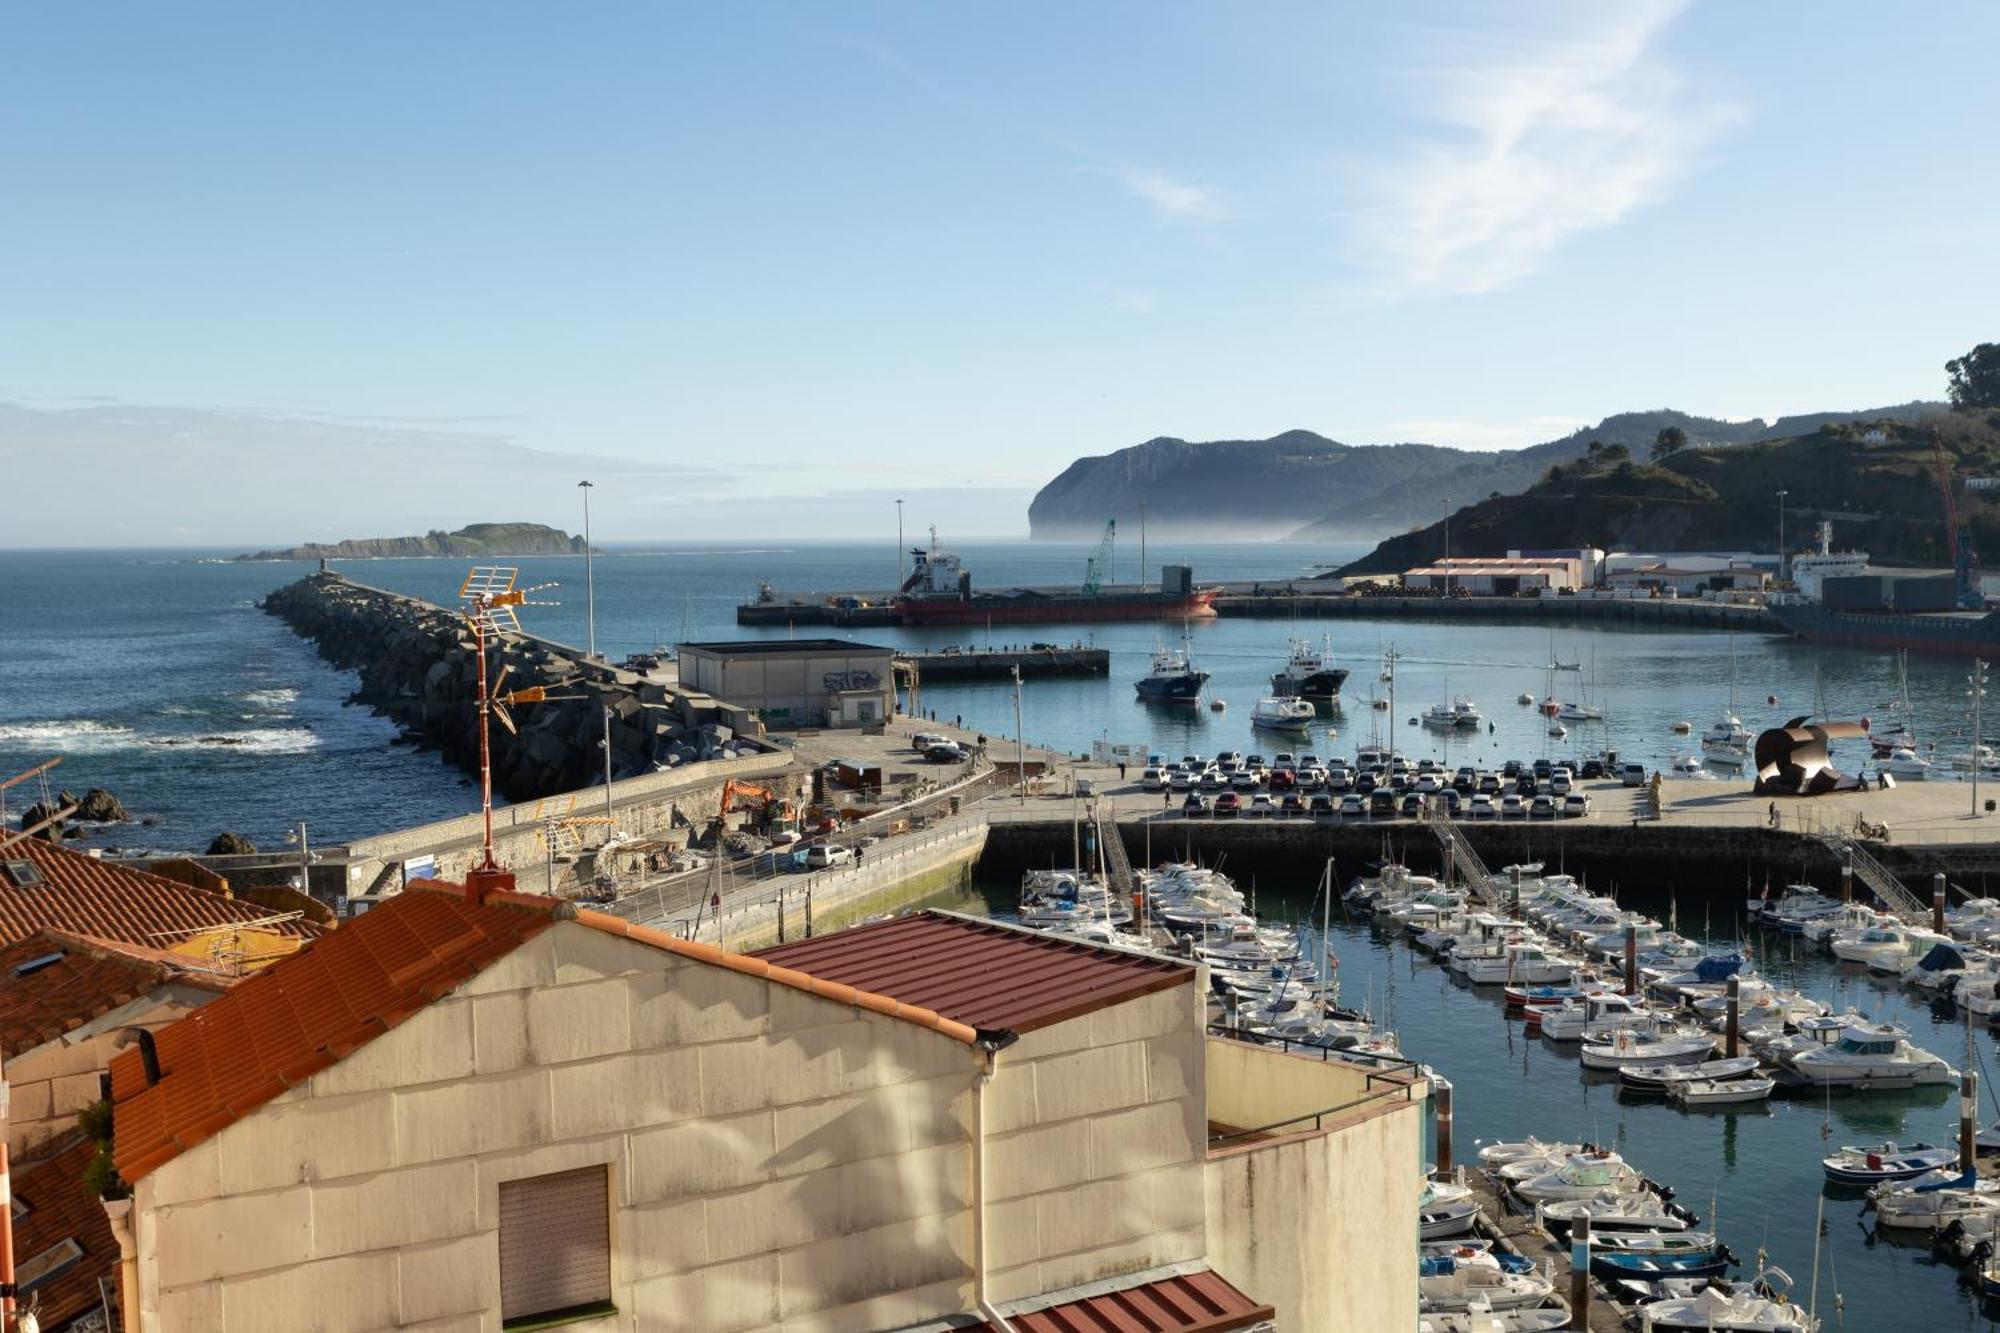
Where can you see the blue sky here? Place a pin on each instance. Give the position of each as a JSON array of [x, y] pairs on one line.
[[834, 253]]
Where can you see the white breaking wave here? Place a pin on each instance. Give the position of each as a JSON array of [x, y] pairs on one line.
[[256, 740], [277, 698], [76, 735]]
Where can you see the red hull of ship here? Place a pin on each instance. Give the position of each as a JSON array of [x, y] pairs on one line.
[[1029, 611]]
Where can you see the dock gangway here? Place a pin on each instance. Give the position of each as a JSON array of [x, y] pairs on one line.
[[1898, 899], [1118, 876], [1460, 861]]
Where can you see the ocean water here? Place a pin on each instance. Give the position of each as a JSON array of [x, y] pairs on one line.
[[155, 675]]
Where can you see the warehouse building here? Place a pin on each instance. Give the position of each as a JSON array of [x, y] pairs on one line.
[[796, 682], [1499, 576]]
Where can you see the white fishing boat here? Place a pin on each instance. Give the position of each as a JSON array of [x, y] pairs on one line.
[[1872, 1056], [1583, 1177], [1644, 1211], [1721, 1091], [1659, 1078], [1888, 944], [1592, 1015], [1715, 1311], [1688, 766], [1525, 963], [1934, 1201], [1451, 1286], [1905, 765], [1633, 1048], [1274, 713], [1493, 1321], [1460, 714]]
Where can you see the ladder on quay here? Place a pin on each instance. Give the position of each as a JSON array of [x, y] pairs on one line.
[[1876, 876], [1111, 855], [1460, 861]]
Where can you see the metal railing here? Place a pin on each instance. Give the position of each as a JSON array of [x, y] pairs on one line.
[[1400, 1077], [1876, 876], [1460, 860]]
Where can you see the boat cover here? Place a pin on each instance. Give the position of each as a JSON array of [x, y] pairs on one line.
[[1942, 958], [1436, 1265], [1718, 967], [1965, 1182]]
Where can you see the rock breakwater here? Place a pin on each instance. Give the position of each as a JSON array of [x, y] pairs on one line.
[[417, 666]]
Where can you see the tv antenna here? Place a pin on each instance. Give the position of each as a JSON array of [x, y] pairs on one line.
[[225, 943], [489, 598]]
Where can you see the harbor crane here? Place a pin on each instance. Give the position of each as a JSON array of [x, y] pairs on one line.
[[1099, 565], [1969, 597]]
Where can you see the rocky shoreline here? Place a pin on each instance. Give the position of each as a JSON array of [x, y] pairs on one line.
[[417, 666]]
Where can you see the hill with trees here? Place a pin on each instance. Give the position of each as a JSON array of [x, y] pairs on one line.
[[473, 541]]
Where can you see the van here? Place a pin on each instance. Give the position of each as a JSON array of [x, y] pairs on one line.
[[1633, 775], [822, 855]]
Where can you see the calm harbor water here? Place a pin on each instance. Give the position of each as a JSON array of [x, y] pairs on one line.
[[159, 679]]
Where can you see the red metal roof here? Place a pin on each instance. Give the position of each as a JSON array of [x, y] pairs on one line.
[[95, 897], [981, 973], [60, 1209], [1200, 1302], [84, 979], [302, 1013]]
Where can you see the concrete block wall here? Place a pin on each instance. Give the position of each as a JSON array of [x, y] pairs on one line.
[[51, 1083], [775, 1159], [1095, 1140]]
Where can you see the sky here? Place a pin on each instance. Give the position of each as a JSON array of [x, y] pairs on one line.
[[767, 266]]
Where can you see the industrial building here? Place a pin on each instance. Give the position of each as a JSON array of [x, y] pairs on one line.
[[796, 682], [1502, 576]]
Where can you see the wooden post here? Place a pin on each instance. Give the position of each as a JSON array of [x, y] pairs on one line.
[[1846, 880], [1732, 1030], [1937, 902], [1579, 1271], [1441, 1104], [1631, 959], [1968, 1120]]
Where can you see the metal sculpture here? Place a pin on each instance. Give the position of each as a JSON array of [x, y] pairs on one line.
[[1792, 759]]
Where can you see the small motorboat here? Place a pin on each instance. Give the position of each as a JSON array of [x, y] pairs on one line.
[[1715, 1311], [1494, 1321], [1628, 1047], [1646, 1212], [1656, 1242], [1683, 728], [1935, 1201], [1885, 1161], [1658, 1078], [1721, 1092], [1583, 1177], [1217, 705], [1446, 1285], [1445, 1218], [1276, 713], [1623, 1267], [1525, 700]]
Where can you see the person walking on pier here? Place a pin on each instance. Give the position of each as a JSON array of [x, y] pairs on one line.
[[1774, 814]]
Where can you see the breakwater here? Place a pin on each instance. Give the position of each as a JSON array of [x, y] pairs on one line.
[[1048, 659], [417, 665]]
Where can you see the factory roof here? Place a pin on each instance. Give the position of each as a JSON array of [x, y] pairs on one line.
[[989, 976]]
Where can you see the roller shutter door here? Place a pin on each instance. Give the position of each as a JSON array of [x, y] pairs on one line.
[[555, 1242]]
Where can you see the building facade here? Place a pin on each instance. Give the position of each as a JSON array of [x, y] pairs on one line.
[[796, 682]]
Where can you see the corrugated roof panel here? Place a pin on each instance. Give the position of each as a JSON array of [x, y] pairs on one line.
[[1198, 1302]]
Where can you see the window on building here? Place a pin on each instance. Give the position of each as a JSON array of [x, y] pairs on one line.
[[50, 1263], [555, 1247], [22, 874]]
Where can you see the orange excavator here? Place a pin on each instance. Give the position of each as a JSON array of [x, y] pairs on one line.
[[778, 815]]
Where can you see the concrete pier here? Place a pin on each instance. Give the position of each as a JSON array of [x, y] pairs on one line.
[[1040, 659]]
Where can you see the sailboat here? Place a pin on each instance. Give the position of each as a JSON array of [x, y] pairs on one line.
[[1726, 743], [1884, 741], [1584, 711]]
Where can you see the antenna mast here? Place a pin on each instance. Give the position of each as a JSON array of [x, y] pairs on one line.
[[490, 597]]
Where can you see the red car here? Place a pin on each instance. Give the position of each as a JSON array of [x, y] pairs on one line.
[[1228, 803]]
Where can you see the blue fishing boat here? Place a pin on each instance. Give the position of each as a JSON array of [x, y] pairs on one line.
[[1171, 679], [1885, 1161], [1653, 1267]]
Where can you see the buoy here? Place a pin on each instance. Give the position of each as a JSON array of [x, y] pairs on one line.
[[1216, 705], [1771, 699]]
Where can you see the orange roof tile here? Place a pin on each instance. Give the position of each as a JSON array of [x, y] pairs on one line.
[[60, 1209], [82, 980], [983, 974], [112, 901], [283, 1025], [303, 1013]]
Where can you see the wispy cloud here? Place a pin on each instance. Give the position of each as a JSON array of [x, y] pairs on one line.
[[1177, 200], [1537, 139]]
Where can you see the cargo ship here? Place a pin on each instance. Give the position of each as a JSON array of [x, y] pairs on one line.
[[1842, 600], [939, 592], [1969, 632]]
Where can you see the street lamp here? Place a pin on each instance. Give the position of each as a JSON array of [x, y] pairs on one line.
[[1976, 682], [1781, 535], [589, 575], [1447, 548]]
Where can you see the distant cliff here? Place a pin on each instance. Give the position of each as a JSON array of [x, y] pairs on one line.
[[469, 542], [1309, 488], [1880, 493]]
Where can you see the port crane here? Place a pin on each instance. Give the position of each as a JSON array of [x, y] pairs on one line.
[[1969, 597], [1099, 565]]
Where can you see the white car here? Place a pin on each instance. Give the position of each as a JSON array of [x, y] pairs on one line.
[[1181, 780], [1152, 779], [1212, 779], [1261, 806], [1512, 806], [1353, 806], [1576, 803], [821, 855]]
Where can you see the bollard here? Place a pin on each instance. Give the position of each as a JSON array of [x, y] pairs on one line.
[[1631, 959], [1968, 1120], [1579, 1271], [1441, 1104], [809, 907], [1846, 882], [1732, 1030], [1937, 902]]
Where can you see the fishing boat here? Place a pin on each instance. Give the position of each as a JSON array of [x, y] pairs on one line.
[[1171, 678], [1872, 1056], [1309, 674], [1885, 1161], [1459, 714], [1628, 1047], [1713, 1310], [1654, 1267], [1721, 1091], [1274, 713], [1596, 1015], [1659, 1078], [1522, 962]]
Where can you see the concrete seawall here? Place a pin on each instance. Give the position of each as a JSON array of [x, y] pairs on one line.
[[1665, 613]]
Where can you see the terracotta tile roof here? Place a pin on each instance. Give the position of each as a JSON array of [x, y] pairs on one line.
[[1198, 1302], [986, 975], [103, 898], [82, 980], [281, 1026], [60, 1209]]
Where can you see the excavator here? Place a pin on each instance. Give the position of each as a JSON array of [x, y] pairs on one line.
[[778, 816]]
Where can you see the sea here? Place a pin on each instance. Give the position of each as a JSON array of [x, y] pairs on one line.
[[155, 675]]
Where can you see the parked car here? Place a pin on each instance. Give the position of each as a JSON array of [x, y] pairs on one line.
[[1181, 780], [1633, 775], [1450, 800], [1284, 759], [1353, 806], [1481, 807], [1228, 803], [1322, 804], [1243, 779], [1576, 803], [946, 752], [1542, 807], [1194, 807], [1212, 779], [1413, 805], [1284, 779], [1292, 806], [1513, 806], [1559, 783], [1489, 784], [1339, 778], [1262, 806], [1382, 801], [821, 855], [1152, 779], [1592, 770]]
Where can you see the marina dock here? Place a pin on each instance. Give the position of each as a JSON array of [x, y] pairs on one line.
[[1035, 659]]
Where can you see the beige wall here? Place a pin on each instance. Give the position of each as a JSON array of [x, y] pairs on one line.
[[1095, 1140], [778, 1160], [1321, 1224], [57, 1079], [788, 691]]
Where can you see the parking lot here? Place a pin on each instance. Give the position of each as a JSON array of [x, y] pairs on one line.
[[1376, 785]]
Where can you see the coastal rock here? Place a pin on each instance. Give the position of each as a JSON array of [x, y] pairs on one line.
[[99, 806], [231, 844], [40, 811]]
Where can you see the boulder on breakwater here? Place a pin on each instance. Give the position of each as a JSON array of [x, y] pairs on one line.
[[418, 666]]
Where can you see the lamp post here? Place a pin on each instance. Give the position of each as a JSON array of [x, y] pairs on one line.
[[1977, 683], [589, 576], [1781, 535], [1447, 548]]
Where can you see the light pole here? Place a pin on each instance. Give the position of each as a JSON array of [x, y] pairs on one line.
[[1020, 750], [1977, 682], [1447, 548], [589, 575], [1781, 535]]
